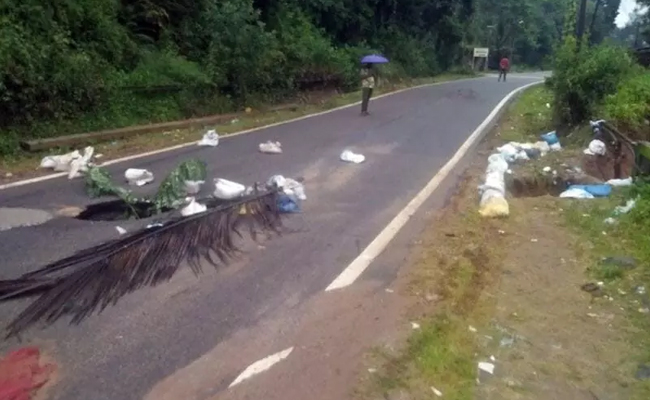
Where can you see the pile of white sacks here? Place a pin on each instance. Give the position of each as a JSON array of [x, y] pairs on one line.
[[492, 192]]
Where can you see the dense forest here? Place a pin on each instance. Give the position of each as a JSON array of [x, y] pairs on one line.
[[110, 63]]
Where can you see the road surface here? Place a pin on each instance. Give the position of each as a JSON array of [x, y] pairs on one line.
[[190, 338]]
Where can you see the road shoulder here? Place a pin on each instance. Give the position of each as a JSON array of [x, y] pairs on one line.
[[497, 304]]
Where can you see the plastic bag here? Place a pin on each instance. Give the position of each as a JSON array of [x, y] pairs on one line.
[[576, 193], [508, 152], [138, 177], [349, 156], [596, 147], [543, 147], [80, 164], [550, 138], [289, 186], [193, 207], [594, 190], [271, 147], [287, 204], [492, 192], [210, 138], [629, 205], [494, 180], [227, 190], [73, 163], [493, 204], [193, 187], [496, 162], [620, 182]]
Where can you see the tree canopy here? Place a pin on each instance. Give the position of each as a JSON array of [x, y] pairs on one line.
[[161, 59]]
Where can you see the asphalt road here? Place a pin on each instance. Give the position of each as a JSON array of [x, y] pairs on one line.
[[122, 353]]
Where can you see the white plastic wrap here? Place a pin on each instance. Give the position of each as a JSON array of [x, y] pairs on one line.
[[227, 190]]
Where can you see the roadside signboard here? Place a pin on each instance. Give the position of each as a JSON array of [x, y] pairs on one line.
[[481, 52]]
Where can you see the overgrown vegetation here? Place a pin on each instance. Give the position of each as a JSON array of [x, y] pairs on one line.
[[80, 65], [630, 106]]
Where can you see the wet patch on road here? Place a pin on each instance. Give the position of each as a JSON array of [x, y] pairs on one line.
[[15, 217]]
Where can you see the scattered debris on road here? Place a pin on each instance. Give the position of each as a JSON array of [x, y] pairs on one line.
[[271, 147], [193, 207], [74, 163], [210, 138], [289, 186], [228, 190], [138, 177], [349, 156]]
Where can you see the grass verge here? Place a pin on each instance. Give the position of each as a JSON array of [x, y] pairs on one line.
[[24, 165], [511, 288]]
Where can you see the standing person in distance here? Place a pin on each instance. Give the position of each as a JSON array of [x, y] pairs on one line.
[[504, 66], [367, 86]]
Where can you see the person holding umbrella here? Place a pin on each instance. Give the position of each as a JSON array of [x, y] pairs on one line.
[[368, 77]]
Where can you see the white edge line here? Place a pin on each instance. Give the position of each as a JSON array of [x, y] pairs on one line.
[[261, 365], [379, 243], [259, 128]]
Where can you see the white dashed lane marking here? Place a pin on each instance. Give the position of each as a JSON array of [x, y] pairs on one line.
[[261, 365]]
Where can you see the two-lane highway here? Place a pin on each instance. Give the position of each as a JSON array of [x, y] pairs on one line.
[[122, 353]]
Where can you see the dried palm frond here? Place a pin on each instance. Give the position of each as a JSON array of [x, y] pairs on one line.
[[97, 277]]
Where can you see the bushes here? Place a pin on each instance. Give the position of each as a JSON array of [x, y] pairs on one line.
[[582, 79], [75, 65], [630, 105]]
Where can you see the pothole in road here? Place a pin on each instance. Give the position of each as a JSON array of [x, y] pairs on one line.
[[118, 210]]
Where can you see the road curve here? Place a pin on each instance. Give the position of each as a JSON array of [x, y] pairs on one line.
[[122, 353]]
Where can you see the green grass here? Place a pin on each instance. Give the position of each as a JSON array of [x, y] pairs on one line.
[[529, 116], [629, 237]]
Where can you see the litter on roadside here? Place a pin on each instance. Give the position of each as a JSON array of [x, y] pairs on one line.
[[597, 190], [515, 151], [193, 207], [228, 190], [620, 182], [487, 367], [629, 205], [349, 156], [492, 192], [271, 147], [210, 138], [436, 391], [596, 148], [193, 187], [289, 186], [288, 204], [74, 163], [120, 230], [138, 177]]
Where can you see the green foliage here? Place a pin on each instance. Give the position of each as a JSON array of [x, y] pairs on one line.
[[582, 78], [75, 65], [171, 192], [630, 105], [100, 183]]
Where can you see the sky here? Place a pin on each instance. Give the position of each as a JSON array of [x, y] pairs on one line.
[[624, 11]]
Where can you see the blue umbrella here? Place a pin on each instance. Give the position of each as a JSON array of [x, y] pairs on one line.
[[374, 59]]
